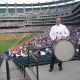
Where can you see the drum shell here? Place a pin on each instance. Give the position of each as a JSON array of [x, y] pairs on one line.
[[63, 49]]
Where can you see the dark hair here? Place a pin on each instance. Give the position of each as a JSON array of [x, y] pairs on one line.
[[58, 16]]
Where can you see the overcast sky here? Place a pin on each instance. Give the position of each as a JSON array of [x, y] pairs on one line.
[[24, 1]]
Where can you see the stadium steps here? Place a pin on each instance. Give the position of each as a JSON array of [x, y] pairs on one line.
[[30, 74], [15, 73], [3, 71]]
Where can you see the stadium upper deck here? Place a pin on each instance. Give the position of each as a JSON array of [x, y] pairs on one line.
[[22, 8], [39, 14]]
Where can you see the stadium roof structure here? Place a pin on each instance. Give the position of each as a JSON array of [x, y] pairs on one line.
[[36, 4]]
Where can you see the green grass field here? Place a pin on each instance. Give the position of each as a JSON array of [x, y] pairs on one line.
[[7, 44]]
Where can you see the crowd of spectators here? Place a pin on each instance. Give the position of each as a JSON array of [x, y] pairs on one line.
[[43, 43]]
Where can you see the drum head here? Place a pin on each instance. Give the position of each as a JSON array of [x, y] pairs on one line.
[[64, 50]]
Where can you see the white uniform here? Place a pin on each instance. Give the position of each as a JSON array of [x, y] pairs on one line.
[[57, 31]]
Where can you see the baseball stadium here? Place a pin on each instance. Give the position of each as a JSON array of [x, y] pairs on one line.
[[26, 46]]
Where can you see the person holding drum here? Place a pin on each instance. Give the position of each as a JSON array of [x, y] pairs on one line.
[[57, 32]]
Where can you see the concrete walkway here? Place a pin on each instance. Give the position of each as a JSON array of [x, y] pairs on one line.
[[71, 71], [3, 71], [15, 73]]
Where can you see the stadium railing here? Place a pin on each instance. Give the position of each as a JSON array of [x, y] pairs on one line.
[[1, 60]]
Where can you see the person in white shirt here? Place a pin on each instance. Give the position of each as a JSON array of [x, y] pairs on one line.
[[58, 31]]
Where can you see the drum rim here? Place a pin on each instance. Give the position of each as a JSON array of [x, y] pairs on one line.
[[65, 40]]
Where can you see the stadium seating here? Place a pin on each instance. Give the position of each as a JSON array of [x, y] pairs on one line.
[[42, 60]]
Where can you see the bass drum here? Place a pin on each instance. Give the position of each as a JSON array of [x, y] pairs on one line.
[[64, 50]]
